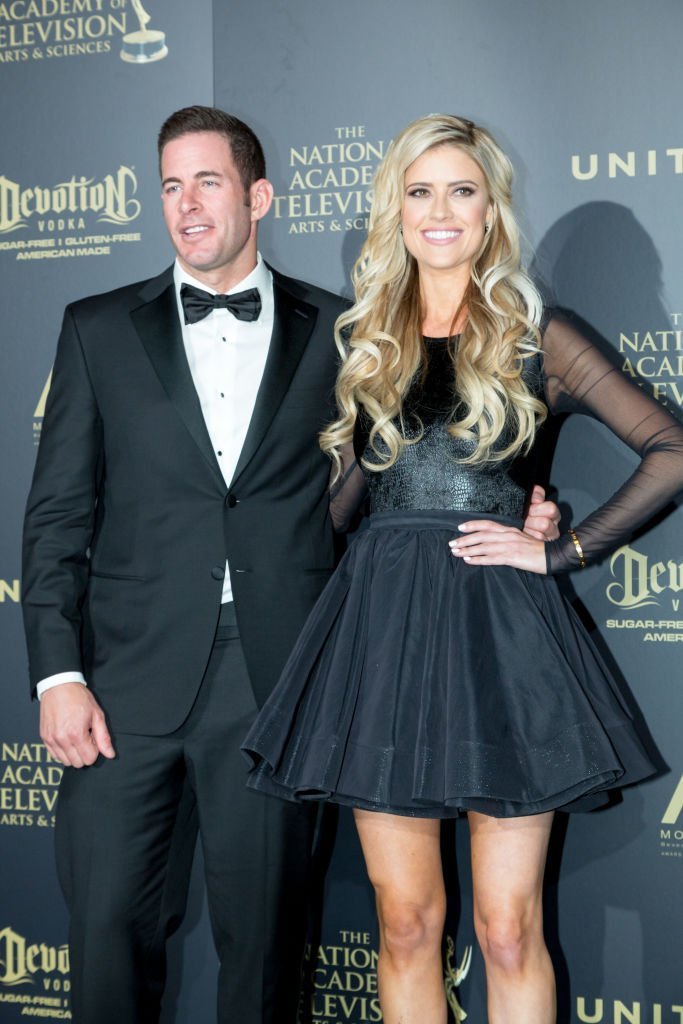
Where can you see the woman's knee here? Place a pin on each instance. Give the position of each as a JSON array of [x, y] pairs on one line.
[[410, 927], [507, 939]]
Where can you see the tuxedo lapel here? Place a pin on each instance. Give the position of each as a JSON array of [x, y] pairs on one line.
[[158, 327], [293, 324]]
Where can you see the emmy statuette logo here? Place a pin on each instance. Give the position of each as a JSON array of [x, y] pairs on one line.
[[675, 807], [671, 827], [454, 977], [146, 45], [40, 408]]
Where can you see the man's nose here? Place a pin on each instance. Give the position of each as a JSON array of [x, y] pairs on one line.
[[189, 199]]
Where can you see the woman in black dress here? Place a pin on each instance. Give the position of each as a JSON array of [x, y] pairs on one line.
[[441, 671]]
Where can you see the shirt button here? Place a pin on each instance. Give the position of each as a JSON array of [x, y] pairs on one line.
[[231, 501], [218, 572]]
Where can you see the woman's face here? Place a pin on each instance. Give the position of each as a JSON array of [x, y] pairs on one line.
[[445, 208]]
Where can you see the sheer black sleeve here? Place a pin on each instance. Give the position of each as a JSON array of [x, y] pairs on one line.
[[578, 378], [347, 492]]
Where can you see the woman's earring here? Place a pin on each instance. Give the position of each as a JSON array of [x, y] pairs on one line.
[[400, 228], [486, 228]]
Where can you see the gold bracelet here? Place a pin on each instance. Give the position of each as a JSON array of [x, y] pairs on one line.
[[579, 549]]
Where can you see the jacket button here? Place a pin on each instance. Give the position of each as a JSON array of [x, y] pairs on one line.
[[218, 572], [231, 501]]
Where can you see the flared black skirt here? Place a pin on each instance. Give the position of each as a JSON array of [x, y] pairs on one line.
[[425, 686]]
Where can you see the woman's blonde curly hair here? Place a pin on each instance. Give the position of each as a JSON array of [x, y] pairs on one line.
[[380, 336]]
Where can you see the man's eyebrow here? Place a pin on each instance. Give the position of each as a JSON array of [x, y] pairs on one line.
[[199, 174]]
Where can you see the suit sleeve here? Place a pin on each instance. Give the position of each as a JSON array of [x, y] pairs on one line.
[[60, 513]]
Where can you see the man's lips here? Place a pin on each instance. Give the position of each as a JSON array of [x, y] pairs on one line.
[[194, 230]]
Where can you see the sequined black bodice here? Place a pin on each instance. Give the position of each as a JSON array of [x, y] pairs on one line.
[[430, 474]]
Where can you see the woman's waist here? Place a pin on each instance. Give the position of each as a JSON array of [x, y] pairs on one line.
[[434, 518], [487, 493]]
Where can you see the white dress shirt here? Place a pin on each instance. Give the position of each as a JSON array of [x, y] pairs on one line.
[[227, 357]]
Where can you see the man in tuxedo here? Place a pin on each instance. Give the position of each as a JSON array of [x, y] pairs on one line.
[[177, 535]]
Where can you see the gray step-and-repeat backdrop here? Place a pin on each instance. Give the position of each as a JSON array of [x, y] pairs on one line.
[[585, 98]]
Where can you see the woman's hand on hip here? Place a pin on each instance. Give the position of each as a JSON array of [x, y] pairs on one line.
[[486, 542]]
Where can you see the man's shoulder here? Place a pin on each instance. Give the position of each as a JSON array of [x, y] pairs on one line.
[[124, 297], [304, 291]]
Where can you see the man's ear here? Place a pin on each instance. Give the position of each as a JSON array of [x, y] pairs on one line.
[[260, 198]]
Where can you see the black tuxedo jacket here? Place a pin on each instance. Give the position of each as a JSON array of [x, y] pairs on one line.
[[129, 520]]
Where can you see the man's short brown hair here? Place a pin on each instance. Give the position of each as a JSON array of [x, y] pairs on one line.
[[246, 149]]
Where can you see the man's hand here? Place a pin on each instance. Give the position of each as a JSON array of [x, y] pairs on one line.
[[542, 521], [72, 725]]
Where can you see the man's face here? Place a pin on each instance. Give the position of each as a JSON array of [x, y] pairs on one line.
[[210, 218]]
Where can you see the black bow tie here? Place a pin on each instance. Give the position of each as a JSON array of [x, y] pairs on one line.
[[197, 303]]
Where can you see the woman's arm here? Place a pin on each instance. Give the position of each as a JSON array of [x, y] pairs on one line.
[[579, 378], [348, 491]]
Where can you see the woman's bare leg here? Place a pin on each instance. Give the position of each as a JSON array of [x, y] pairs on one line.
[[403, 859], [508, 863]]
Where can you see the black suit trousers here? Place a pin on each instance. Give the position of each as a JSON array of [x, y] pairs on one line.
[[126, 832]]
